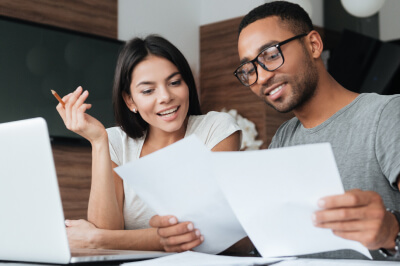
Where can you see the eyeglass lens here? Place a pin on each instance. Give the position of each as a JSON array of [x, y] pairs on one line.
[[269, 59]]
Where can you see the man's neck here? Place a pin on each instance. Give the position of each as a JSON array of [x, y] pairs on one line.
[[329, 97]]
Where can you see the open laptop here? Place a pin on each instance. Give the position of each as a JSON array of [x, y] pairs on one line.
[[32, 221]]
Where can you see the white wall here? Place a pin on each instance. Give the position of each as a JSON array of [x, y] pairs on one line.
[[176, 20], [314, 9], [179, 20], [218, 10], [389, 21]]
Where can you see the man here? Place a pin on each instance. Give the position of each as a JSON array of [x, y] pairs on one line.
[[280, 62]]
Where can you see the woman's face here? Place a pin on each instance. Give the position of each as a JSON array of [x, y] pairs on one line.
[[159, 94]]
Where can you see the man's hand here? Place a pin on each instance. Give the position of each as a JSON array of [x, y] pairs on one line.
[[174, 236], [358, 215]]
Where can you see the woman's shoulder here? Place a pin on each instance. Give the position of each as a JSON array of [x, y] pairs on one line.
[[211, 121], [212, 117], [123, 148], [212, 127], [115, 132], [117, 136]]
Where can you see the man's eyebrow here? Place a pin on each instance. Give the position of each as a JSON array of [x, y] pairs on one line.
[[268, 44]]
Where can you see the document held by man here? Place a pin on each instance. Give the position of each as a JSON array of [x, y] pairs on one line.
[[271, 194], [177, 180], [275, 192]]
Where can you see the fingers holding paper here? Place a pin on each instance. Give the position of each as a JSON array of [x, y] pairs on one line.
[[175, 236], [358, 215], [76, 119]]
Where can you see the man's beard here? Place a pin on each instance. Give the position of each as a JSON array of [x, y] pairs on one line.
[[303, 89]]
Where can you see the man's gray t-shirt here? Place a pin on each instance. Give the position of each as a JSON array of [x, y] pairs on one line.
[[365, 138]]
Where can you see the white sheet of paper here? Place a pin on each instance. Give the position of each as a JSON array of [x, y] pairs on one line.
[[201, 259], [177, 180], [333, 262], [274, 194]]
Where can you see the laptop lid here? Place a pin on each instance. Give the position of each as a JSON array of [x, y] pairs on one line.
[[32, 224]]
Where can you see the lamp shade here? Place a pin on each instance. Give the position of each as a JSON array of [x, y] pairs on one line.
[[362, 8]]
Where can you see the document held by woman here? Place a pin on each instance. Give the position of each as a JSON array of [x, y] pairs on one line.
[[177, 180]]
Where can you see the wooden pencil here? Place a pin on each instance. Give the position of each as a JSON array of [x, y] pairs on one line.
[[58, 98]]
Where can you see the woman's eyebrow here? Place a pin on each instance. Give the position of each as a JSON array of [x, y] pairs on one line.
[[144, 83], [152, 82], [172, 75]]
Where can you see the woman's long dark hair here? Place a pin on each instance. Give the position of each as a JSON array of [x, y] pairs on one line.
[[134, 52]]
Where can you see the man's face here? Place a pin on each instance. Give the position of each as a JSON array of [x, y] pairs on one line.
[[289, 86]]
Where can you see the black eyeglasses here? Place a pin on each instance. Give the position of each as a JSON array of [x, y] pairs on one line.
[[270, 59]]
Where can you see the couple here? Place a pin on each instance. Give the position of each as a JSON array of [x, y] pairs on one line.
[[156, 104]]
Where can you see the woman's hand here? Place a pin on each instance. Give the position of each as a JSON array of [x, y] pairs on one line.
[[81, 234], [174, 236], [77, 120]]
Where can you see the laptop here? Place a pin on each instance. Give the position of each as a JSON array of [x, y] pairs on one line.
[[32, 225]]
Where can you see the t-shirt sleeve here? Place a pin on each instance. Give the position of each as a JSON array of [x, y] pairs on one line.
[[388, 141], [217, 127], [115, 145]]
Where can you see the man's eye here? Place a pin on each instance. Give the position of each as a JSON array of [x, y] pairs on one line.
[[248, 71], [273, 56], [269, 55]]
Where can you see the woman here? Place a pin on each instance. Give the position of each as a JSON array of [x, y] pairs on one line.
[[155, 104]]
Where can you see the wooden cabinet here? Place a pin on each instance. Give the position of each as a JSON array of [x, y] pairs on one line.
[[98, 17], [74, 170]]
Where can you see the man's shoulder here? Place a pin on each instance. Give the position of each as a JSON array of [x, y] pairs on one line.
[[375, 100], [290, 124], [371, 105]]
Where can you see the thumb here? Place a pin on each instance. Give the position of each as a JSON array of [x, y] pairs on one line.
[[163, 221], [69, 223]]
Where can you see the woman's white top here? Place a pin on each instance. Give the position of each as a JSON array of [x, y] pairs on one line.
[[211, 129]]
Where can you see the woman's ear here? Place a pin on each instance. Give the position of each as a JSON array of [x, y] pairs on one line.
[[315, 43], [129, 102]]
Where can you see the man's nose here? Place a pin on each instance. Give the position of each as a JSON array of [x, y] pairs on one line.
[[263, 75]]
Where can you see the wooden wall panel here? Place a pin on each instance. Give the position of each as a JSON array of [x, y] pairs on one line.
[[99, 17], [220, 88], [73, 167]]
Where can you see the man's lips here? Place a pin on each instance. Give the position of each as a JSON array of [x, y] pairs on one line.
[[273, 90]]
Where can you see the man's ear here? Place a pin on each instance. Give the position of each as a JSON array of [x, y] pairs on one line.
[[315, 43], [129, 101]]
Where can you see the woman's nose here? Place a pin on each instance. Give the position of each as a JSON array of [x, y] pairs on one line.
[[165, 95]]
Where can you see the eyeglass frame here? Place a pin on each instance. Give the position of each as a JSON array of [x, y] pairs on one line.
[[278, 46]]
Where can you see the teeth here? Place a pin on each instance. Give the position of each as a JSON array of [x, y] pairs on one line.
[[169, 111], [276, 90]]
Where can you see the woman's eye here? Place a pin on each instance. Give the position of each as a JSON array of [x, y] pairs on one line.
[[147, 91], [176, 82]]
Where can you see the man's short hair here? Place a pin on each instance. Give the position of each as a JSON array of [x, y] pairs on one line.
[[293, 16]]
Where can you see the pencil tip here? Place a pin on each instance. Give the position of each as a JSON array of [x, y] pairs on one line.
[[53, 91]]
